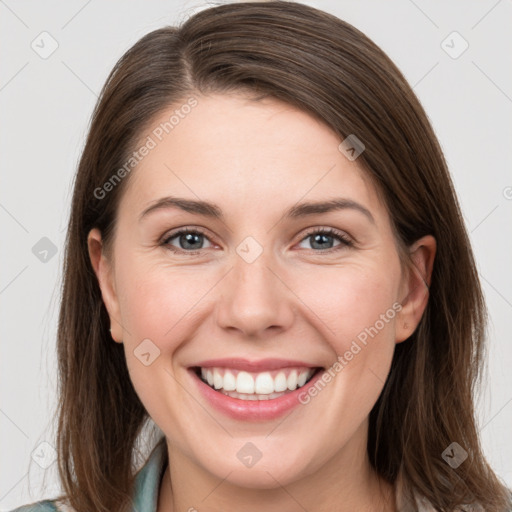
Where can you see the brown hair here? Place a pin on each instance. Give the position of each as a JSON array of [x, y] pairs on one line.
[[328, 68]]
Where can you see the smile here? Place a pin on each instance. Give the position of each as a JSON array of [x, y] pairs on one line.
[[266, 385], [253, 390]]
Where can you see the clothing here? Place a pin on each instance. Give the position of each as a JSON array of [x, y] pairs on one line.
[[147, 485]]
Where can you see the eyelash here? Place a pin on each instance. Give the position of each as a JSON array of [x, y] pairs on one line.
[[343, 238]]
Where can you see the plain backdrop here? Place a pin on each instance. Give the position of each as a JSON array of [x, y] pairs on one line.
[[45, 106]]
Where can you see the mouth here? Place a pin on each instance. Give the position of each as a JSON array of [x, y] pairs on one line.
[[256, 390], [255, 386]]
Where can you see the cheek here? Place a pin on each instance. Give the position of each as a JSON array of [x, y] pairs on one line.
[[356, 310], [159, 310], [352, 303], [367, 340], [157, 302]]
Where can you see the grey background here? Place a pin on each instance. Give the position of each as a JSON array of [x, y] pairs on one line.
[[45, 105]]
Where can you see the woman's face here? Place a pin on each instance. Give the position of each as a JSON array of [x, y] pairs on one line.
[[255, 302]]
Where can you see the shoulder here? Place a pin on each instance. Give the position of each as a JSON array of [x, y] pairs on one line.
[[147, 482], [39, 506], [55, 505]]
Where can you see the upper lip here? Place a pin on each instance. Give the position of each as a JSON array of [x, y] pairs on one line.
[[253, 366]]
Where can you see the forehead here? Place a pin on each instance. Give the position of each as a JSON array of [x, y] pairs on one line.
[[245, 154]]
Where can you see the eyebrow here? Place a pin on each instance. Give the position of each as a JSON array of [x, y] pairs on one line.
[[212, 210]]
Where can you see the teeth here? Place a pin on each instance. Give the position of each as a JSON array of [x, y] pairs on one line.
[[244, 383], [242, 396], [229, 382], [302, 379], [264, 384], [292, 380], [218, 381], [253, 386], [280, 383]]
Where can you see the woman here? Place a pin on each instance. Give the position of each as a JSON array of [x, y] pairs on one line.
[[266, 258]]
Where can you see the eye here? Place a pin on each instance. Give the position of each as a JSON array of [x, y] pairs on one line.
[[191, 241], [321, 238], [188, 240]]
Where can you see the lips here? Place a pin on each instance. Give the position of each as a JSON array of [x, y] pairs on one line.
[[254, 390], [254, 366]]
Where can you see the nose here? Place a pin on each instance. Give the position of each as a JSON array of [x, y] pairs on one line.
[[255, 300]]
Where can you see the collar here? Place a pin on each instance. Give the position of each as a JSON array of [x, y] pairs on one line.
[[148, 478]]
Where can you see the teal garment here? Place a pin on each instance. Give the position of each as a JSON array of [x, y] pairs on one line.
[[147, 485], [39, 506]]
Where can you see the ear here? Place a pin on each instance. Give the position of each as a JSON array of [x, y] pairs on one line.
[[415, 287], [103, 270]]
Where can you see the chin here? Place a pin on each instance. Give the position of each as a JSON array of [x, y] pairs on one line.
[[276, 466]]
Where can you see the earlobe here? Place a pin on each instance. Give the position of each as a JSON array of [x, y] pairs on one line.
[[103, 270], [415, 292]]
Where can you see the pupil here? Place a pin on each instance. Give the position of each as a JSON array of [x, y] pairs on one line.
[[189, 240], [321, 238]]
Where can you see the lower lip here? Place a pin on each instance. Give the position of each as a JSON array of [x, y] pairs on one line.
[[253, 410]]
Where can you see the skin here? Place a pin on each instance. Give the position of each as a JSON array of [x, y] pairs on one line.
[[256, 159]]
